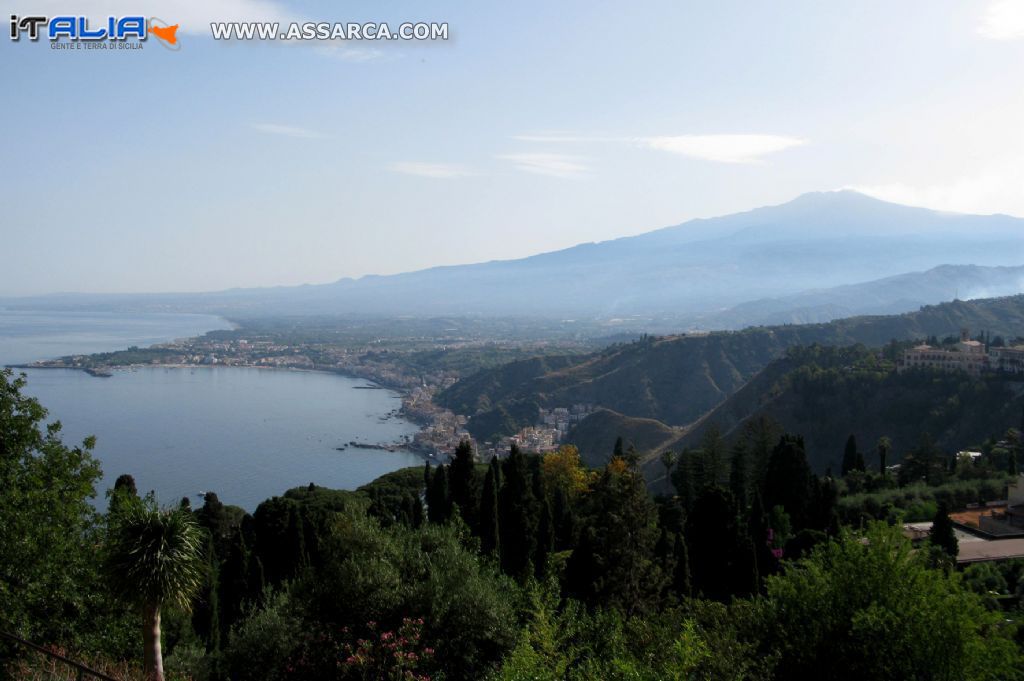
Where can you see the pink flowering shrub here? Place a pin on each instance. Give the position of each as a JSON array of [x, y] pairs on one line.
[[388, 655]]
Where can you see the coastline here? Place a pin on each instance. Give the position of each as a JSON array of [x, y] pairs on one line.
[[414, 418]]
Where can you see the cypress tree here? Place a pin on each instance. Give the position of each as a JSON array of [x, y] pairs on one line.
[[489, 510], [517, 515], [682, 479], [681, 584], [561, 511], [849, 456], [206, 610], [942, 534], [723, 555], [545, 525], [415, 510], [787, 481], [883, 447], [545, 540], [760, 532], [427, 477], [739, 474], [712, 458], [462, 483], [619, 450], [234, 584], [296, 541], [439, 503]]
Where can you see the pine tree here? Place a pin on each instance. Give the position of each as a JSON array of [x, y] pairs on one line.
[[488, 527], [613, 564]]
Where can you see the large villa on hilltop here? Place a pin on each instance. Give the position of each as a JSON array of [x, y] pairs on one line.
[[967, 355]]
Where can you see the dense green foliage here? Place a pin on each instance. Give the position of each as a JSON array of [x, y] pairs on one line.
[[526, 567], [50, 583], [872, 609]]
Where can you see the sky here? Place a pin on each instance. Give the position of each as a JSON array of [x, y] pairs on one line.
[[534, 127]]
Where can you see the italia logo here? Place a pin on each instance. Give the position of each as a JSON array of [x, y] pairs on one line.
[[81, 29]]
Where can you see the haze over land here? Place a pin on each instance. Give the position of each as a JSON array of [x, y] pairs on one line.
[[819, 257]]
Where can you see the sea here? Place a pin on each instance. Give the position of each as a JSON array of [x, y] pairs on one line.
[[247, 434]]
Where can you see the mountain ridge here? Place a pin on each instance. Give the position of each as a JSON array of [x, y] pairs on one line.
[[679, 272]]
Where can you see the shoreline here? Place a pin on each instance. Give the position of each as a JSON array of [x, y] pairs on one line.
[[401, 393]]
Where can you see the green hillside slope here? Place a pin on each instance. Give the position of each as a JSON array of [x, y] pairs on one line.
[[679, 379]]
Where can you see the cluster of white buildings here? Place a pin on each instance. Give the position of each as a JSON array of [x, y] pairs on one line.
[[966, 355], [564, 419]]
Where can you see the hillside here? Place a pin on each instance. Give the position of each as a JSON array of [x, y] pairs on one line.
[[678, 379], [595, 436], [890, 295], [826, 394], [680, 274]]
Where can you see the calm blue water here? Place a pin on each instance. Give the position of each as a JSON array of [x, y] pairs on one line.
[[247, 434], [28, 336]]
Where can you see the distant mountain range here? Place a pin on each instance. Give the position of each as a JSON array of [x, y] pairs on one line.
[[890, 295], [805, 260]]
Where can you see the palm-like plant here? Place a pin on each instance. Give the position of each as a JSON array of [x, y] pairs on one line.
[[154, 561], [668, 460]]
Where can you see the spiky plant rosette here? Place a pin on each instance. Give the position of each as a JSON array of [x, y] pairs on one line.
[[154, 557]]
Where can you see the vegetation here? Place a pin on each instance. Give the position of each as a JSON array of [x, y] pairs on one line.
[[642, 379], [753, 566]]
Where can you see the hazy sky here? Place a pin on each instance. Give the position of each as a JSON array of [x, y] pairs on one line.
[[537, 126]]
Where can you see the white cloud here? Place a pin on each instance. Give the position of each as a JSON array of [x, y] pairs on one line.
[[439, 171], [355, 54], [558, 138], [192, 16], [993, 190], [1003, 20], [286, 130], [554, 165], [723, 148]]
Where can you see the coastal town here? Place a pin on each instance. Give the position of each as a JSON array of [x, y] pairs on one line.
[[441, 430], [419, 383]]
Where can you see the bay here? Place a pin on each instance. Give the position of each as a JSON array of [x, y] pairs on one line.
[[245, 433]]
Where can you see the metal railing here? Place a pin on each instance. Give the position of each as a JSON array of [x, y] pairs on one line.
[[82, 671]]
